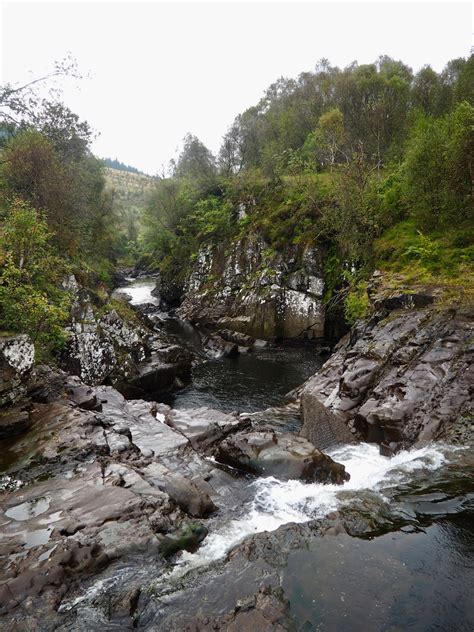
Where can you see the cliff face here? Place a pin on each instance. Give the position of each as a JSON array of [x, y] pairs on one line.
[[113, 349], [401, 377], [247, 287]]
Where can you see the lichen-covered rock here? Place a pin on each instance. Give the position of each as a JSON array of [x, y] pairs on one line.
[[17, 356], [109, 347], [246, 287], [283, 456], [401, 377]]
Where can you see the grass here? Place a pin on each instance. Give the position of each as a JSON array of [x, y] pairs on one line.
[[442, 259]]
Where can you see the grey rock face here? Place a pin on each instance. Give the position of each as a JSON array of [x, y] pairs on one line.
[[402, 377], [281, 455], [17, 355], [94, 486], [116, 350], [247, 288]]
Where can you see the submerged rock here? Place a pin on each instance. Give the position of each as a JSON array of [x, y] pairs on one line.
[[280, 455], [188, 538]]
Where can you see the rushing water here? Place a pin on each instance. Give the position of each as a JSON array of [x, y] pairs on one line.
[[415, 571]]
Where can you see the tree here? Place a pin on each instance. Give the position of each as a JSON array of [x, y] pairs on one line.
[[196, 164], [30, 296], [439, 167], [329, 136]]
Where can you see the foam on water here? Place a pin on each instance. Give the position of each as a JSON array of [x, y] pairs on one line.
[[139, 291], [277, 502]]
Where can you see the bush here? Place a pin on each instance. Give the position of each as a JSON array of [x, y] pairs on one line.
[[356, 303], [31, 299]]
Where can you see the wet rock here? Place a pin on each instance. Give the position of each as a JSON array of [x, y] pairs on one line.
[[17, 355], [245, 287], [84, 397], [204, 426], [401, 377], [266, 611], [188, 538], [283, 456], [242, 340], [389, 449], [217, 347], [14, 422], [186, 493]]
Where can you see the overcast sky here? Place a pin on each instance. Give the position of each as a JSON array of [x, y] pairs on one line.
[[158, 70]]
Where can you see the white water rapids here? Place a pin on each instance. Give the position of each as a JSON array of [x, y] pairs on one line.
[[139, 291], [277, 503]]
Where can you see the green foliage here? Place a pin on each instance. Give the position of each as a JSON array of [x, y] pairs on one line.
[[356, 303], [438, 168], [30, 296], [447, 254]]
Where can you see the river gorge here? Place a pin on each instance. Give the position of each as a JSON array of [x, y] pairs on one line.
[[388, 549]]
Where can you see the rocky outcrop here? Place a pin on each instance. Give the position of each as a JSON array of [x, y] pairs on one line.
[[107, 347], [17, 356], [248, 288], [401, 377], [280, 455], [99, 479]]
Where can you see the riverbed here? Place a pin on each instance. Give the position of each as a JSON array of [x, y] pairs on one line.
[[406, 563]]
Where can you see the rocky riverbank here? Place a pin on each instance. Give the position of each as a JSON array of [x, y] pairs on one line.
[[124, 512], [98, 479]]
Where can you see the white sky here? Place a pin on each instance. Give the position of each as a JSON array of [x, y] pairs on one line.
[[158, 70]]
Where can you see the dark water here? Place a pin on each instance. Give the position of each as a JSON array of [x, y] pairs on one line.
[[250, 382], [399, 581]]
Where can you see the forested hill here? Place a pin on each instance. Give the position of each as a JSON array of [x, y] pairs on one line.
[[370, 164], [373, 162], [129, 191], [114, 163]]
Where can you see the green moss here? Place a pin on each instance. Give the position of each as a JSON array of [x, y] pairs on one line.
[[356, 303]]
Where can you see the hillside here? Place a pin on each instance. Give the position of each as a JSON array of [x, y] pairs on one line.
[[129, 193]]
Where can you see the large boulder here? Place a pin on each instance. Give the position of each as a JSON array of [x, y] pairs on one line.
[[283, 456]]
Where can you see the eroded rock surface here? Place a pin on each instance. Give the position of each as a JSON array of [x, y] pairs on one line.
[[107, 347], [401, 377], [280, 455], [17, 355], [96, 479]]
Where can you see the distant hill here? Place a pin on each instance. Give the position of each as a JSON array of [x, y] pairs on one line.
[[129, 192], [114, 163]]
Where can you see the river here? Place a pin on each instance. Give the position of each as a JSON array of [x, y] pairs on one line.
[[409, 569]]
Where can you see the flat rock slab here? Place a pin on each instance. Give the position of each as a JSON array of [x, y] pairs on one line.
[[142, 420], [283, 456], [204, 426]]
